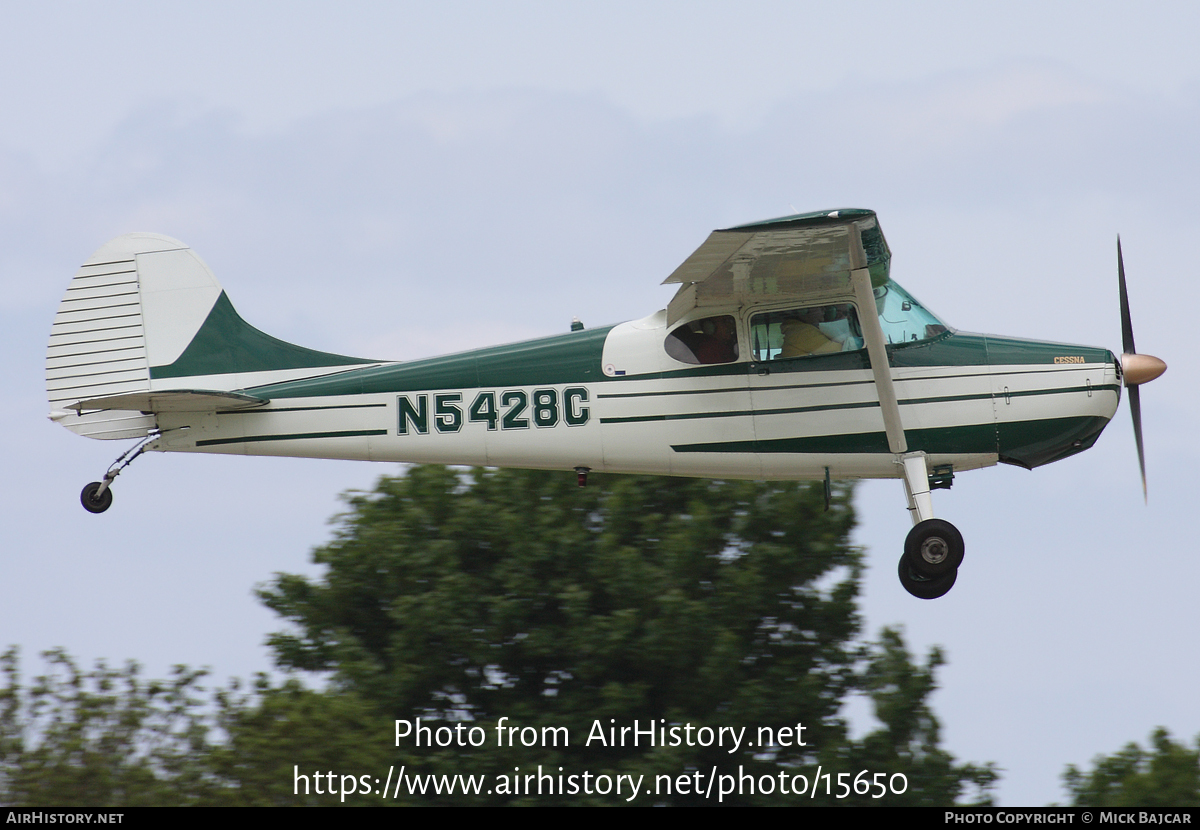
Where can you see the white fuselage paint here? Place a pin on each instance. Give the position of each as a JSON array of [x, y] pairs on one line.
[[632, 421]]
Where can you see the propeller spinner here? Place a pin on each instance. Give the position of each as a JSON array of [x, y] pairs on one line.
[[1136, 369]]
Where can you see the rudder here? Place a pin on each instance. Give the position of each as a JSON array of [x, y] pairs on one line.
[[131, 302]]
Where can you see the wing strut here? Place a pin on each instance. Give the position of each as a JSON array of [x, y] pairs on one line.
[[916, 473]]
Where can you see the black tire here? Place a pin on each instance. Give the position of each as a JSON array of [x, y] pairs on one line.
[[923, 588], [934, 548], [93, 504]]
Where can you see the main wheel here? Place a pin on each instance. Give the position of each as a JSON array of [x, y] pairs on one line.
[[934, 548], [923, 588], [93, 503]]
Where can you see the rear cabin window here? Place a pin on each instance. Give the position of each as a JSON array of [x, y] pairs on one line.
[[708, 340], [801, 332]]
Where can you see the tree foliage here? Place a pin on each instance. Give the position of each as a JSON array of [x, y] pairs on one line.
[[461, 599], [1165, 776], [667, 601], [108, 737], [263, 739], [78, 739]]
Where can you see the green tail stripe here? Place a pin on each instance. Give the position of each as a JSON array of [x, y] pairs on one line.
[[226, 344]]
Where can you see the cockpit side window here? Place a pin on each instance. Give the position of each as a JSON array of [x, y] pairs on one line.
[[708, 340], [800, 332]]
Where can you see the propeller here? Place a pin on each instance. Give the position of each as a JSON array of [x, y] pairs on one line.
[[1136, 369]]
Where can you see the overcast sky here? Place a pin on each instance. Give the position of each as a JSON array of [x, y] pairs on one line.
[[399, 180]]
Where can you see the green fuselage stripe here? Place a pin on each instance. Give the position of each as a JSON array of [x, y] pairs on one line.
[[671, 392], [740, 413], [1024, 443], [562, 358], [300, 409], [576, 357], [833, 384], [1026, 393], [299, 436]]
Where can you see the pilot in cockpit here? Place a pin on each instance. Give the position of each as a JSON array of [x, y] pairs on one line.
[[803, 335]]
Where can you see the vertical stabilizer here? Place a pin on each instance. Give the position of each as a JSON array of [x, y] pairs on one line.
[[145, 315]]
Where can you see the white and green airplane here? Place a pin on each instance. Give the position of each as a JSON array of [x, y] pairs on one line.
[[787, 353]]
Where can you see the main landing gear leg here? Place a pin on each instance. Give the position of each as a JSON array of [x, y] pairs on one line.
[[934, 548], [97, 496]]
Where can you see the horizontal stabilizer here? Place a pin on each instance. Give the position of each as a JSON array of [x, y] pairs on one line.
[[173, 400]]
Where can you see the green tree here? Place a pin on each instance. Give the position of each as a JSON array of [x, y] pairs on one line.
[[1166, 776], [908, 740], [466, 598], [463, 599], [85, 739], [108, 737], [279, 744]]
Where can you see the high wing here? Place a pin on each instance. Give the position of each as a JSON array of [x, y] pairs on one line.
[[807, 255], [806, 258]]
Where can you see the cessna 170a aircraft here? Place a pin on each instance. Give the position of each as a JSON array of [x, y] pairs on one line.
[[787, 353]]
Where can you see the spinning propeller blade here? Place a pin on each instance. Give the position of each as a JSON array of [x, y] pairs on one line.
[[1136, 369], [1126, 321], [1135, 407]]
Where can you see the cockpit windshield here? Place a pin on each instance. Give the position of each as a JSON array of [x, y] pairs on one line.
[[813, 330], [902, 318]]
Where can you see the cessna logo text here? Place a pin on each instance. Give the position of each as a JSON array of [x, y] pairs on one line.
[[1070, 359], [508, 409]]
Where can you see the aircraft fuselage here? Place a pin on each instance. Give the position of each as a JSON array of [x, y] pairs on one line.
[[611, 399]]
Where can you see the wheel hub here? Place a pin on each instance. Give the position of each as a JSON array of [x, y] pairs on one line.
[[934, 550]]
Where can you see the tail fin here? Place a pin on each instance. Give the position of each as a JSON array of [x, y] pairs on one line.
[[145, 315]]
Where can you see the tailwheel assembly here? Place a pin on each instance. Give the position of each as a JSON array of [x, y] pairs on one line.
[[97, 496]]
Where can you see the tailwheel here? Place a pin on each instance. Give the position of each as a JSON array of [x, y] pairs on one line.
[[933, 549], [922, 587], [96, 497]]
